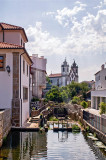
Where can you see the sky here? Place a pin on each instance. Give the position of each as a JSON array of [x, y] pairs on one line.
[[75, 29]]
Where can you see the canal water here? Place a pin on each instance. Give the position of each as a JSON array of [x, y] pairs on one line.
[[50, 146]]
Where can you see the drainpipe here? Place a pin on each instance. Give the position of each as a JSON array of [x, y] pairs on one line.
[[29, 89], [20, 89]]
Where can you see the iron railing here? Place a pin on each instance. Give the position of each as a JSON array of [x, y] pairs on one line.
[[96, 121]]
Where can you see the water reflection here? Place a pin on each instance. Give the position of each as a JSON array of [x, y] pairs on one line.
[[24, 145], [50, 146]]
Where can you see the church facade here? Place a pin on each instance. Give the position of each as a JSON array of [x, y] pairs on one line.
[[67, 75]]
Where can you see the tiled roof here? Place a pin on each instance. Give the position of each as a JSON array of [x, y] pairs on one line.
[[4, 45], [9, 26], [55, 75], [6, 26]]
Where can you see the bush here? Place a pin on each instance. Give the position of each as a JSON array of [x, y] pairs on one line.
[[34, 99], [75, 127], [53, 119], [102, 108], [84, 104], [75, 100]]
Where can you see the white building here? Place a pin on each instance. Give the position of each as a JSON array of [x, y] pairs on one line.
[[99, 95], [38, 71], [14, 72], [66, 76]]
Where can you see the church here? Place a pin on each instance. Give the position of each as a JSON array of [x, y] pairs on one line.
[[67, 75]]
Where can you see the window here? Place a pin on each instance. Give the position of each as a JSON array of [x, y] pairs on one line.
[[23, 66], [105, 77], [25, 93], [27, 70], [63, 69], [57, 82], [23, 44], [1, 62]]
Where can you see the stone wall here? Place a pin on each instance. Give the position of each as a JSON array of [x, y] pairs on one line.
[[5, 124], [16, 101]]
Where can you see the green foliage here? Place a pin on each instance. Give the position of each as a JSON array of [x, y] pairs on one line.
[[54, 94], [75, 127], [84, 104], [94, 134], [34, 99], [75, 100], [87, 128], [53, 119], [102, 108], [65, 94], [48, 80]]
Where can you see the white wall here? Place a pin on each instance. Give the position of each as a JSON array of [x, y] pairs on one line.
[[54, 81], [99, 93], [39, 63], [24, 83], [6, 84], [101, 84], [63, 81]]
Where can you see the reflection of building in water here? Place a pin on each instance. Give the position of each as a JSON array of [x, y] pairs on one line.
[[62, 136], [25, 145]]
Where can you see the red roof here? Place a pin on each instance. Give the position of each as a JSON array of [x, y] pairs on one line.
[[9, 26], [6, 26], [4, 45], [55, 75]]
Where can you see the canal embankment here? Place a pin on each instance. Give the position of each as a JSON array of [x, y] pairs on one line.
[[5, 124]]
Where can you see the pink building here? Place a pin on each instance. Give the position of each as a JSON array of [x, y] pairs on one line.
[[14, 72]]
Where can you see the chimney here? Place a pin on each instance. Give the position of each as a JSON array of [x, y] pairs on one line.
[[102, 67]]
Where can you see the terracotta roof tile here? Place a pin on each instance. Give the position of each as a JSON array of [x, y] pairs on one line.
[[4, 45], [6, 26], [9, 26], [55, 75]]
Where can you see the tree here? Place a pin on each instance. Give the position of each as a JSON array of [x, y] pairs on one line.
[[75, 100], [54, 94], [102, 108], [84, 104], [66, 93], [48, 80]]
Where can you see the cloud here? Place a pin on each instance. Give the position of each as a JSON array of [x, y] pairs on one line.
[[49, 13], [104, 2], [87, 73], [87, 37], [99, 6], [67, 14], [41, 41]]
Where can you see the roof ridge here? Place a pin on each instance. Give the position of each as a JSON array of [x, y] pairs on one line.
[[11, 25]]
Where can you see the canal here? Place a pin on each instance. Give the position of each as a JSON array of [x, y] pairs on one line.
[[50, 146]]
